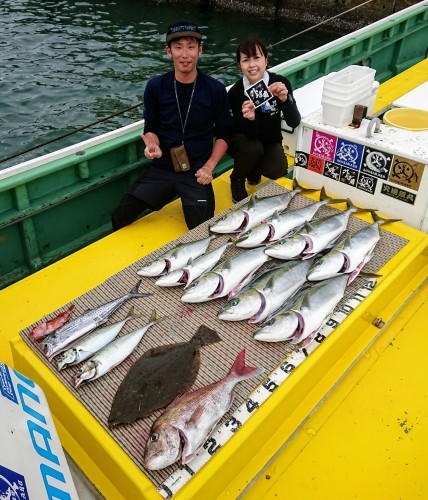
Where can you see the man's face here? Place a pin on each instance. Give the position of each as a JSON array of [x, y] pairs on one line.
[[184, 53]]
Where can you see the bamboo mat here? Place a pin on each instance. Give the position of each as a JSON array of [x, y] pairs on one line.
[[181, 322]]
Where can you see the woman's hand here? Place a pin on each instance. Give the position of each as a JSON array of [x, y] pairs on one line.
[[248, 110], [279, 90]]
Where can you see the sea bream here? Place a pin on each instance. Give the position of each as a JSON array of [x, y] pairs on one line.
[[249, 216], [283, 224], [176, 257], [158, 377], [112, 354], [267, 293], [313, 237], [350, 255], [44, 329], [304, 315], [227, 278], [193, 269], [187, 422], [60, 339], [93, 342]]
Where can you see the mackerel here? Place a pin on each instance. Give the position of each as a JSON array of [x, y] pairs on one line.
[[305, 314], [58, 340], [227, 278], [283, 224], [176, 257], [351, 254], [113, 354], [193, 269], [93, 342]]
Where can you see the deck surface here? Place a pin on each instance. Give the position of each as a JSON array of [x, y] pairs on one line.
[[367, 437]]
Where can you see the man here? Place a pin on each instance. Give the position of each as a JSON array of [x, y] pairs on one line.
[[183, 110]]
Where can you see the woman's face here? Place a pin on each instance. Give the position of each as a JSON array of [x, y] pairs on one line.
[[253, 67]]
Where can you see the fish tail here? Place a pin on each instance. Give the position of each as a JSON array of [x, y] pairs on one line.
[[296, 185], [205, 336], [241, 371], [382, 220], [329, 199], [132, 314], [154, 319], [349, 204], [135, 293]]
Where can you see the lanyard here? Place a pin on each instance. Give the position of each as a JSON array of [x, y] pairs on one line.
[[183, 125]]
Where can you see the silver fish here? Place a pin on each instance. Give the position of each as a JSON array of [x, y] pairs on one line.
[[191, 418], [193, 269], [227, 278], [313, 237], [112, 354], [58, 340], [230, 222], [176, 257], [93, 342], [305, 315], [283, 224], [350, 255], [267, 294]]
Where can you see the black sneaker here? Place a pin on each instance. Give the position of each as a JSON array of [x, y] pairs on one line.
[[254, 178], [237, 187]]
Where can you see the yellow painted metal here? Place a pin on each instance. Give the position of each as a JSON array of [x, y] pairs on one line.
[[230, 471]]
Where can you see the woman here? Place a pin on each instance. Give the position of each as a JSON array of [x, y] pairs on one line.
[[256, 145]]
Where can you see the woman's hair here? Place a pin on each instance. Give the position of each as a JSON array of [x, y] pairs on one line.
[[249, 47]]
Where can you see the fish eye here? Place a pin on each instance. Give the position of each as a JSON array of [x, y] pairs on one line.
[[270, 322], [234, 302], [154, 437]]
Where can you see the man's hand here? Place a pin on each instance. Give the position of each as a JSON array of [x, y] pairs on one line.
[[204, 175], [152, 149]]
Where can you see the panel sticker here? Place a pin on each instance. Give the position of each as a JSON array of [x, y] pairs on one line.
[[332, 171], [398, 194], [6, 385], [316, 164], [349, 154], [367, 183], [349, 176], [406, 173], [323, 145], [12, 485], [376, 163], [259, 93], [301, 159]]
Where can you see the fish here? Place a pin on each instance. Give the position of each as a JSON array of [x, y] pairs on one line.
[[176, 257], [193, 269], [227, 278], [93, 342], [350, 255], [112, 354], [44, 329], [61, 338], [186, 423], [158, 377], [267, 294], [305, 314], [314, 237], [283, 224], [255, 211]]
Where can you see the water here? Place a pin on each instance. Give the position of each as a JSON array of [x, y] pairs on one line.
[[65, 64]]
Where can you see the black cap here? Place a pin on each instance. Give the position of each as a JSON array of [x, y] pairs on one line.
[[181, 29]]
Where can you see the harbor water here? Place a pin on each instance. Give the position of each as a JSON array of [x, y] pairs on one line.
[[66, 64]]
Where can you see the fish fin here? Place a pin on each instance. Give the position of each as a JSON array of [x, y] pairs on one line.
[[383, 220], [242, 371], [365, 274], [329, 199], [296, 185], [252, 201], [154, 319], [190, 262], [205, 336], [275, 216], [135, 293]]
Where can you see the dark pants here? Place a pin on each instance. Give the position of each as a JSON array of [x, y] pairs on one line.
[[252, 156], [155, 188]]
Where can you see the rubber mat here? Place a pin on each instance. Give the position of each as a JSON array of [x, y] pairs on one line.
[[180, 323]]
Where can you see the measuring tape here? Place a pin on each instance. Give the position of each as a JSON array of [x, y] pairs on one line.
[[223, 432]]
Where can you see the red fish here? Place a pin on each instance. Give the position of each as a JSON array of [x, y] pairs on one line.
[[41, 331]]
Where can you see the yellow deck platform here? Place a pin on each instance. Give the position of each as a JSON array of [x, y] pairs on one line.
[[366, 433]]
